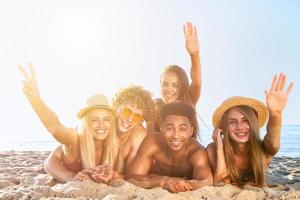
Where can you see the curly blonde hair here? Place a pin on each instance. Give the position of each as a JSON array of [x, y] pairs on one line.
[[138, 96]]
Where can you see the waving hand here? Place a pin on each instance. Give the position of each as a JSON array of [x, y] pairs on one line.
[[277, 96], [191, 38]]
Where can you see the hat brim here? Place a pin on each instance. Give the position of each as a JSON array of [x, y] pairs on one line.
[[84, 110], [259, 107]]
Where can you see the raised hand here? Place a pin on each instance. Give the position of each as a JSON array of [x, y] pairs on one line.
[[30, 85], [277, 96], [191, 38]]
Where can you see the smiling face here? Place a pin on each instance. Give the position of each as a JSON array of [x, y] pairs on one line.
[[129, 116], [99, 120], [170, 87], [176, 131], [238, 126]]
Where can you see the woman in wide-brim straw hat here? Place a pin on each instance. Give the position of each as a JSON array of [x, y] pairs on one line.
[[92, 144], [237, 155]]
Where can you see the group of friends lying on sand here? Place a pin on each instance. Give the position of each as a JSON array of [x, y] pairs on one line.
[[154, 142]]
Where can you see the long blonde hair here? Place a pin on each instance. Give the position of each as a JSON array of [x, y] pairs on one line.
[[255, 171], [87, 144]]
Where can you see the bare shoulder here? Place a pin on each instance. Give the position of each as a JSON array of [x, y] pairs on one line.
[[198, 156], [211, 153], [211, 147], [151, 143], [138, 132], [194, 146], [195, 149], [137, 135], [199, 152]]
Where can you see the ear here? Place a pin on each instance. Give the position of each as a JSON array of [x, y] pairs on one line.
[[192, 131]]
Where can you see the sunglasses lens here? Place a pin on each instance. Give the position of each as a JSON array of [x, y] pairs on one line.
[[137, 118], [126, 112]]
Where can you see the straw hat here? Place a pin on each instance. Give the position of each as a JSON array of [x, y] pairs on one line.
[[260, 109], [95, 101]]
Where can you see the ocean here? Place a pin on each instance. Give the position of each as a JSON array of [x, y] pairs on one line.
[[290, 142]]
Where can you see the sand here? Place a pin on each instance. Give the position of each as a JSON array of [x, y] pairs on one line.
[[22, 177]]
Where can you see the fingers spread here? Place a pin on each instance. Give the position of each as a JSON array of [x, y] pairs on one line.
[[283, 83], [24, 72], [290, 88], [190, 28], [279, 82], [32, 72], [184, 31], [273, 86]]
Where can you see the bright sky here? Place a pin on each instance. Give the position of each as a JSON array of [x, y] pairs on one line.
[[82, 47]]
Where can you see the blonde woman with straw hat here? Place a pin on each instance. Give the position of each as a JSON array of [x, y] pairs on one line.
[[94, 143], [237, 155]]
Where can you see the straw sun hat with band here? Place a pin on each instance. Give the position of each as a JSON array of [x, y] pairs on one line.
[[259, 108], [95, 101]]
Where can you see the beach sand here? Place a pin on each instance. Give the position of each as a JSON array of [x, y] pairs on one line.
[[22, 177]]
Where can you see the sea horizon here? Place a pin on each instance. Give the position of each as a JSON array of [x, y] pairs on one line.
[[289, 147]]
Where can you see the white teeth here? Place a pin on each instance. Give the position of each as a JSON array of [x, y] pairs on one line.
[[101, 131], [175, 143], [241, 134]]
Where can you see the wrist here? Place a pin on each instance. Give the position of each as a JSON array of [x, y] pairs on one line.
[[275, 113], [219, 150], [163, 182], [195, 54]]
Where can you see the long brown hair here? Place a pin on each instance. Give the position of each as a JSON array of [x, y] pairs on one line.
[[255, 171], [184, 86]]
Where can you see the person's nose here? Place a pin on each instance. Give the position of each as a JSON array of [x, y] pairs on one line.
[[130, 118], [240, 125], [175, 134], [100, 124]]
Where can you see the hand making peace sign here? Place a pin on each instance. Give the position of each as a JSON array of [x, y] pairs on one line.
[[30, 85]]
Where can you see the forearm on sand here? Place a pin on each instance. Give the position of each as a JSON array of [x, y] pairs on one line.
[[148, 181], [57, 169]]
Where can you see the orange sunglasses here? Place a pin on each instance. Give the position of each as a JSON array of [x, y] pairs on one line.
[[127, 112]]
